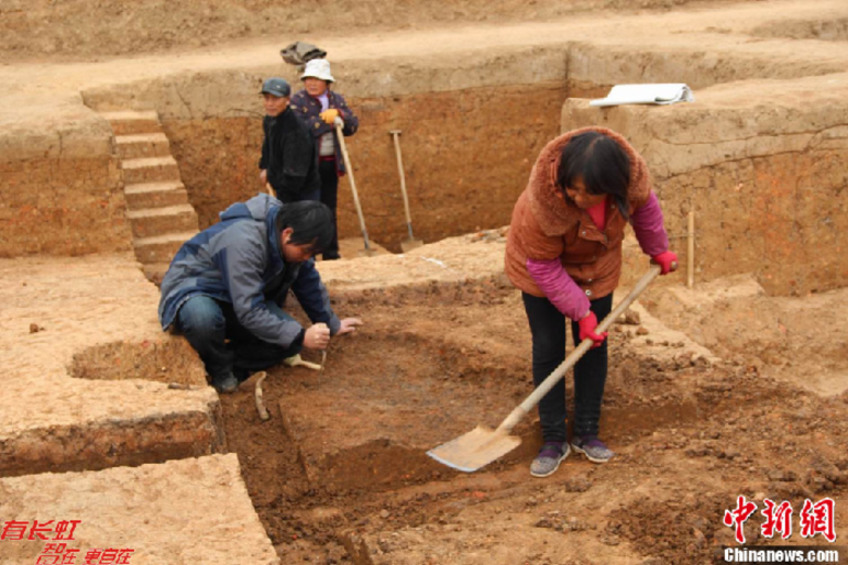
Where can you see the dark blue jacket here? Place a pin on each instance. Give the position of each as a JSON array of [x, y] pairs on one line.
[[239, 260], [308, 110]]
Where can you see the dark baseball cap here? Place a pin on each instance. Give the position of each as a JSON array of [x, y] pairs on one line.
[[276, 87]]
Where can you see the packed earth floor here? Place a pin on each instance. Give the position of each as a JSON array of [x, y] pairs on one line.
[[719, 392]]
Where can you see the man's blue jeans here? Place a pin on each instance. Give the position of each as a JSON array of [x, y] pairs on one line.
[[225, 346]]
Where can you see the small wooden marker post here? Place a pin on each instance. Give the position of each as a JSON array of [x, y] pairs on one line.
[[690, 251]]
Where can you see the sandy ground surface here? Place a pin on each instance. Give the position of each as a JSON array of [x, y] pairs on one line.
[[30, 94], [714, 392]]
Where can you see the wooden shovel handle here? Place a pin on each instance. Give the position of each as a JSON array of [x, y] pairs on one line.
[[338, 125], [546, 385], [396, 139]]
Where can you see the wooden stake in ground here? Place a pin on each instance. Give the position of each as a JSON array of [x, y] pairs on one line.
[[690, 251]]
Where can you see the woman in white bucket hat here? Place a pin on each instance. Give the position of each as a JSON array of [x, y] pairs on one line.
[[318, 107]]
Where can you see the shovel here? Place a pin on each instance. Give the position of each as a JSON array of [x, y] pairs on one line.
[[482, 445], [339, 124], [410, 243]]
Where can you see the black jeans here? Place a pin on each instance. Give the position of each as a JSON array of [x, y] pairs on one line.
[[329, 196], [224, 345], [547, 326]]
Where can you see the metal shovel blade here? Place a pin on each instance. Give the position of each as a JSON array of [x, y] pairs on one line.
[[475, 449], [482, 445], [409, 244]]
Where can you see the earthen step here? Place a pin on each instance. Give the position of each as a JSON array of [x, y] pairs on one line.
[[150, 222], [142, 145], [160, 248], [150, 169], [131, 122], [155, 194], [155, 272]]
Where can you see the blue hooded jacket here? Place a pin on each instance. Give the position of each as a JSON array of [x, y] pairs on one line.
[[240, 261]]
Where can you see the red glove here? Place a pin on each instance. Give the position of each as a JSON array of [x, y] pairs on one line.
[[667, 260], [587, 324]]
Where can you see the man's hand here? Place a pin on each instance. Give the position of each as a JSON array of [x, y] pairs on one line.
[[349, 325], [263, 175], [329, 116], [317, 336]]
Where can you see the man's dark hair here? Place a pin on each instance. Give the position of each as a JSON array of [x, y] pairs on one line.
[[601, 162], [311, 222]]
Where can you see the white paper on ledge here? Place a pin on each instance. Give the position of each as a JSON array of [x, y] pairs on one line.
[[645, 94]]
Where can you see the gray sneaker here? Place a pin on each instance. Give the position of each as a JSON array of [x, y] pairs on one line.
[[229, 384], [549, 458], [594, 449]]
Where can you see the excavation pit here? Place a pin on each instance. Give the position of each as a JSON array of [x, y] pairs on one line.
[[169, 361], [432, 362], [727, 395]]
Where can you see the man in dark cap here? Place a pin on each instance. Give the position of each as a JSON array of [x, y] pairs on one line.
[[289, 162]]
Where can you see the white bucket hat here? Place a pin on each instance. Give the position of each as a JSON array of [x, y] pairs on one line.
[[317, 68]]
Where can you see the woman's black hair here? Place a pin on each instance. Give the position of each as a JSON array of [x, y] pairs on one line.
[[311, 222], [601, 162]]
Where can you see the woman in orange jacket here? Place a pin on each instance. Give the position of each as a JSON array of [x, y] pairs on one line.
[[564, 253]]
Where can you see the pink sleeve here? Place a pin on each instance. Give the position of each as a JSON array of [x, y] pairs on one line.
[[647, 222], [558, 287]]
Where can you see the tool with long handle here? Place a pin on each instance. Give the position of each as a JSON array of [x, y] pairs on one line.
[[482, 445], [339, 124], [409, 243]]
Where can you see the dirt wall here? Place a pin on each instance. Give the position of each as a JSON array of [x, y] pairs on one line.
[[473, 121], [471, 126], [463, 169], [62, 206], [766, 184]]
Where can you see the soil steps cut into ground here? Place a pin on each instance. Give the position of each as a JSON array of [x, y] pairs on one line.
[[714, 392], [157, 201]]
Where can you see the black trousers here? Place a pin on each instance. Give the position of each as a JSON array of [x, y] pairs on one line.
[[329, 196], [547, 326]]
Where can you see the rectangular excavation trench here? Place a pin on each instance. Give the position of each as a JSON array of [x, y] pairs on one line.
[[156, 437], [433, 362], [463, 170], [397, 391], [466, 162]]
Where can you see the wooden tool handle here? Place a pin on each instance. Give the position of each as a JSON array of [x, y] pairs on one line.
[[546, 385], [339, 124], [396, 138]]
